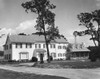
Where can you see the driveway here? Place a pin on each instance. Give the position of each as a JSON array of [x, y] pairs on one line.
[[67, 73]]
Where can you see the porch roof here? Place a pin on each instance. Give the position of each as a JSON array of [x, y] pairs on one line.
[[81, 50]]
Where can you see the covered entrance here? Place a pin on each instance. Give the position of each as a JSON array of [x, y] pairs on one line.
[[40, 54]]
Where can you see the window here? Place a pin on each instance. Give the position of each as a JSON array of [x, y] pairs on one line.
[[64, 54], [26, 45], [16, 45], [6, 46], [35, 45], [20, 45], [60, 55], [50, 45], [30, 45], [10, 46], [53, 54], [59, 47], [64, 47], [43, 45], [54, 46], [9, 56], [39, 45]]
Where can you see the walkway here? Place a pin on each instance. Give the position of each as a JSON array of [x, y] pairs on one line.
[[67, 73]]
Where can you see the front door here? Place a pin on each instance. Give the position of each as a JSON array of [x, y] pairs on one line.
[[41, 58]]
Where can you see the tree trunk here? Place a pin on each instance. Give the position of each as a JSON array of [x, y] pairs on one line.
[[46, 41], [41, 58], [47, 49]]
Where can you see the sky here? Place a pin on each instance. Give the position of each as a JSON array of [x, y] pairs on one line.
[[14, 19]]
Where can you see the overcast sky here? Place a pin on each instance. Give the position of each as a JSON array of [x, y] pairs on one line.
[[14, 19]]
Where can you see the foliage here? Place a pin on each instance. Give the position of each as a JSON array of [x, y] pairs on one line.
[[34, 59], [68, 51], [51, 58], [21, 34], [45, 19], [69, 47], [89, 20]]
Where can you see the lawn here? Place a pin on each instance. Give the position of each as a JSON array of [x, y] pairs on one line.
[[70, 64], [5, 74]]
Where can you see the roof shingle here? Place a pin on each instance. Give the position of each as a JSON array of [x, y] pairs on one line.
[[33, 38]]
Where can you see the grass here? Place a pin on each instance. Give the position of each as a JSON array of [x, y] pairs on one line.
[[70, 64], [78, 64], [5, 74]]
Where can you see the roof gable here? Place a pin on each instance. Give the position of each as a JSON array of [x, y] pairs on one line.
[[7, 40]]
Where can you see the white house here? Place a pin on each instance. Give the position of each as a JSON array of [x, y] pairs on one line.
[[20, 47]]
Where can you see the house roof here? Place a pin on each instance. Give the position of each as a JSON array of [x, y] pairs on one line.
[[81, 50], [32, 39]]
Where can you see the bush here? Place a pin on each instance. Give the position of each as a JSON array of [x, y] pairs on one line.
[[94, 54], [51, 58], [12, 61], [34, 59]]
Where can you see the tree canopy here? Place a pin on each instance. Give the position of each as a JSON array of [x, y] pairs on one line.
[[91, 20]]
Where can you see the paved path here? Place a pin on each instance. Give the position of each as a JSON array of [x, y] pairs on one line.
[[67, 73]]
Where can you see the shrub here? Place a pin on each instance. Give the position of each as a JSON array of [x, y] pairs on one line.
[[34, 59], [12, 61], [51, 58]]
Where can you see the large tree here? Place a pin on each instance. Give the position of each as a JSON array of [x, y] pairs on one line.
[[45, 20], [91, 20]]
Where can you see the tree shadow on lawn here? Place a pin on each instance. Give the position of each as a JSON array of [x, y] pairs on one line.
[[6, 74]]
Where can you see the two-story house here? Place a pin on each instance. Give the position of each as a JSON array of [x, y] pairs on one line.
[[20, 47]]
